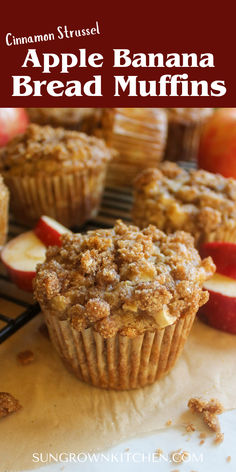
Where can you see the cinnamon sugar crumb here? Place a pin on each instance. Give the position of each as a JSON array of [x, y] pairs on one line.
[[179, 456], [208, 411], [159, 452], [190, 428], [202, 442], [228, 459], [202, 435], [219, 438], [25, 357], [169, 422], [8, 404]]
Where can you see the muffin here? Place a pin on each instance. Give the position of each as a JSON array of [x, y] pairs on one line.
[[4, 203], [54, 172], [78, 119], [139, 136], [184, 130], [119, 303], [197, 201]]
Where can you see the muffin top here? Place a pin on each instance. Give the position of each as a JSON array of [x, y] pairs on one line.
[[66, 117], [189, 115], [123, 279], [175, 199], [45, 150]]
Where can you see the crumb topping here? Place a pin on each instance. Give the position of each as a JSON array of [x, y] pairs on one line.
[[209, 411], [8, 404], [123, 279], [65, 117], [45, 150], [25, 357], [173, 199]]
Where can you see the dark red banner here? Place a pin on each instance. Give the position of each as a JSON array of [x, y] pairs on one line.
[[117, 55]]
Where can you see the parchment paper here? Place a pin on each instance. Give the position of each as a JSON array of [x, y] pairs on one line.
[[62, 414]]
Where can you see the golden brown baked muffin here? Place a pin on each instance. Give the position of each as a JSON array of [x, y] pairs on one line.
[[54, 172], [119, 303], [4, 203], [184, 130], [139, 137], [79, 119], [202, 203]]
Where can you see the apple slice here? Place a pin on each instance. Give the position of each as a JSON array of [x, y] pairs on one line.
[[21, 256], [49, 231], [220, 310], [223, 255]]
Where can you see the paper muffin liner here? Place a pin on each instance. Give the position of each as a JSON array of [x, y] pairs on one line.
[[183, 141], [120, 362], [223, 234], [139, 137], [4, 203], [71, 198]]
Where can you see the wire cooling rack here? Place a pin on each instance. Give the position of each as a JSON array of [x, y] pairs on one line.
[[115, 204]]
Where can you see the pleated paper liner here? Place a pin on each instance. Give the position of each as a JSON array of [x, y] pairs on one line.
[[71, 198], [227, 233], [4, 203], [120, 362]]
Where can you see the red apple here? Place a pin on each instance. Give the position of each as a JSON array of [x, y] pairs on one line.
[[12, 121], [220, 310], [223, 255], [49, 231], [21, 256], [217, 150]]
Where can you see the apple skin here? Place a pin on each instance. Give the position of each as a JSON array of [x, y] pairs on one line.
[[223, 255], [21, 278], [220, 312], [20, 259], [13, 121], [217, 149], [49, 231]]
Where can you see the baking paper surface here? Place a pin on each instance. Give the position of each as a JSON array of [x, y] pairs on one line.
[[62, 414]]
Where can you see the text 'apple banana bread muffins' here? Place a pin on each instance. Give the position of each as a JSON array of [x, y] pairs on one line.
[[78, 119], [139, 137], [184, 131], [197, 201], [119, 303], [54, 172], [4, 204]]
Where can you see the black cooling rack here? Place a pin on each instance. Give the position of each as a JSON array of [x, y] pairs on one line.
[[115, 204]]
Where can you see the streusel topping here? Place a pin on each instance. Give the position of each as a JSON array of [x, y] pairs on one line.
[[45, 150], [123, 279], [174, 199]]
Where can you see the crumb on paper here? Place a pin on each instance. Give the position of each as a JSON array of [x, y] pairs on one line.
[[228, 459], [219, 438], [190, 428], [202, 442], [8, 404], [158, 452], [202, 435], [127, 449], [43, 329], [208, 411], [25, 357], [177, 457], [169, 422]]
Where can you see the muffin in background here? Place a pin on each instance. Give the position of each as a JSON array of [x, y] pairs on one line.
[[197, 201], [78, 119], [55, 172], [139, 137], [4, 204], [184, 130], [119, 303]]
